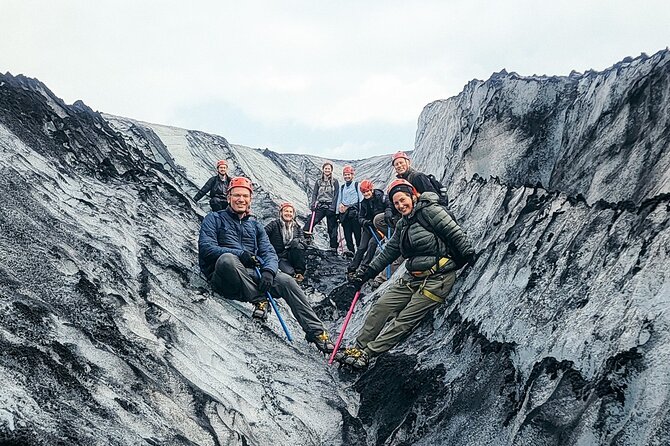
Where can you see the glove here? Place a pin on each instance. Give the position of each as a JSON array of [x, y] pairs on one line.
[[388, 219], [363, 274], [248, 259], [367, 224], [266, 281], [471, 259]]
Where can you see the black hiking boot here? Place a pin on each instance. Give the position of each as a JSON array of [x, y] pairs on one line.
[[260, 311], [356, 358], [323, 343]]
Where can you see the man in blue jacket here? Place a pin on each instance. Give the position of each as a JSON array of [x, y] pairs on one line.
[[232, 244]]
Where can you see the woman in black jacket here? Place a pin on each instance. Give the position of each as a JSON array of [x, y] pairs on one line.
[[287, 238], [372, 204]]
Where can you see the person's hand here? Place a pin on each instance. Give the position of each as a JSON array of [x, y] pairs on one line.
[[248, 259], [343, 208], [362, 275], [471, 259], [367, 224], [388, 219], [266, 281]]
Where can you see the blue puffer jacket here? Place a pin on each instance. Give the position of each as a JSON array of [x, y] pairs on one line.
[[223, 232]]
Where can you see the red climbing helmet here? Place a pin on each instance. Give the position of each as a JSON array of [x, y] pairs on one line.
[[400, 185], [285, 204], [366, 186], [399, 155], [221, 163], [240, 182], [348, 169]]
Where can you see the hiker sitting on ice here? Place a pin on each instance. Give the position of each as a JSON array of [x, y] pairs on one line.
[[288, 241], [435, 247], [373, 204], [236, 256], [322, 204], [217, 187], [348, 204]]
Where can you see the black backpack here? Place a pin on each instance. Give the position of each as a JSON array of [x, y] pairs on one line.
[[455, 254], [441, 190]]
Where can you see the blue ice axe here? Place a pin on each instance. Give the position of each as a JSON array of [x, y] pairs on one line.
[[276, 309]]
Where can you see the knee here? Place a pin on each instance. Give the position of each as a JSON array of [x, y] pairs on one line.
[[226, 262], [295, 244]]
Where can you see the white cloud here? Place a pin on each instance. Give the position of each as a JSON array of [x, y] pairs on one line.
[[314, 64]]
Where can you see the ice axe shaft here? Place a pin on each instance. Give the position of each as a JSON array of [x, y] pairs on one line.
[[276, 309], [344, 327], [311, 223], [388, 268]]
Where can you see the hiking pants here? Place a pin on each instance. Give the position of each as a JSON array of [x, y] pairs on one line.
[[292, 259], [350, 225], [366, 249], [217, 204], [234, 281], [408, 301], [321, 211], [381, 224]]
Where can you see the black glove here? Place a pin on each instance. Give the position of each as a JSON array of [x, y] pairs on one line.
[[248, 259], [266, 281], [388, 219], [366, 224], [363, 274], [471, 259]]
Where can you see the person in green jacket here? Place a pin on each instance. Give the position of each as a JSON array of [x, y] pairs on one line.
[[434, 247]]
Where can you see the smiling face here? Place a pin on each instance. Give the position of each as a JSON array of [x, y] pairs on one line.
[[401, 165], [239, 199], [287, 213], [222, 169], [367, 194], [327, 170], [348, 176], [403, 202]]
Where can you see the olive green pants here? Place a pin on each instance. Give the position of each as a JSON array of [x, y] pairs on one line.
[[407, 302]]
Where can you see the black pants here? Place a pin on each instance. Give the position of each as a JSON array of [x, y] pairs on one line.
[[350, 225], [217, 204], [366, 249], [331, 221], [292, 259]]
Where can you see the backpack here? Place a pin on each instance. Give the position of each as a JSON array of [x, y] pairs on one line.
[[454, 252], [441, 190]]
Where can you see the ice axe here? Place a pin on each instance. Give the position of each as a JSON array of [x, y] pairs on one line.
[[311, 223], [344, 327], [276, 309]]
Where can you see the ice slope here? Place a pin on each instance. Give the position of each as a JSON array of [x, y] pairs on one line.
[[603, 135], [557, 336]]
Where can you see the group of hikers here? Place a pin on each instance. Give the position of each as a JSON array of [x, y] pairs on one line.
[[244, 260]]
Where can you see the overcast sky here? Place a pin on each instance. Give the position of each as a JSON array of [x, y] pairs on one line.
[[344, 79]]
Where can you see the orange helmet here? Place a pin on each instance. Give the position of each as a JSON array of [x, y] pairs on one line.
[[285, 204], [398, 155], [348, 169], [401, 185], [240, 182], [366, 185], [221, 163]]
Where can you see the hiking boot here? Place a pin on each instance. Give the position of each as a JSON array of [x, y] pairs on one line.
[[348, 254], [322, 342], [356, 358], [260, 310], [299, 277]]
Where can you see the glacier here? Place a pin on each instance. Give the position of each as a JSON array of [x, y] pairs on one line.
[[557, 336]]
